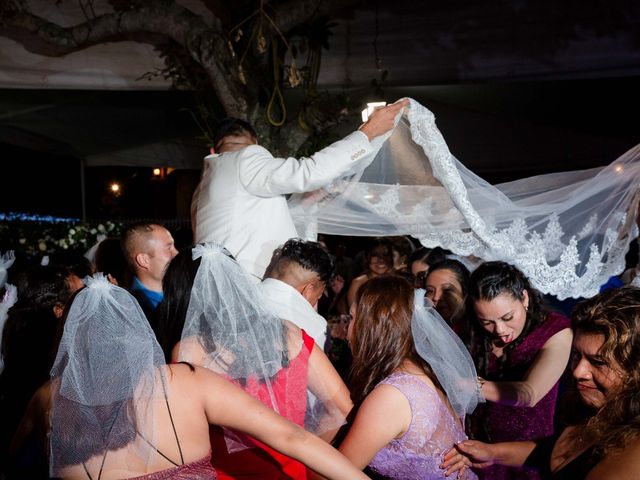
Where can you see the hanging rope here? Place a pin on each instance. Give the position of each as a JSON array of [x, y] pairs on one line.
[[302, 122], [276, 94]]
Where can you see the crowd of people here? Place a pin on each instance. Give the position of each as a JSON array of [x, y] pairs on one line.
[[220, 359]]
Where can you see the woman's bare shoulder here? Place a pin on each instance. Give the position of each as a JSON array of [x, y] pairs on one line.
[[619, 465]]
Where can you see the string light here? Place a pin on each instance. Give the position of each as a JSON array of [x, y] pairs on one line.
[[26, 217]]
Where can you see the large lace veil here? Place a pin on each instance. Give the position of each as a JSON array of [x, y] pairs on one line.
[[106, 384], [230, 330], [568, 232]]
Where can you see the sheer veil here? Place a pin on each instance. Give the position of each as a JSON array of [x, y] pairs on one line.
[[10, 295], [230, 330], [449, 359], [568, 232], [106, 385], [6, 260]]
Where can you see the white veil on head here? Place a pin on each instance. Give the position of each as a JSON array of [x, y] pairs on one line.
[[228, 328], [568, 232], [104, 382], [6, 260], [9, 299], [231, 330], [449, 359]]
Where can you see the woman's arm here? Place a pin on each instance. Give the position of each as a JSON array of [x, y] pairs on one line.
[[330, 390], [356, 283], [228, 406], [384, 415], [482, 455], [546, 370], [35, 418]]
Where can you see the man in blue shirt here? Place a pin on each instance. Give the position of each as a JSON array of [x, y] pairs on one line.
[[148, 248]]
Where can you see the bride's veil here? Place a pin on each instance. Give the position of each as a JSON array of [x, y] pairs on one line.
[[568, 232]]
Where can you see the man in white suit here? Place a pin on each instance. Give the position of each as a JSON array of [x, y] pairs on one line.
[[240, 201], [294, 282]]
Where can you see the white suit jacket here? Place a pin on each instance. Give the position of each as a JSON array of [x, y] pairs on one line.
[[240, 201], [289, 304]]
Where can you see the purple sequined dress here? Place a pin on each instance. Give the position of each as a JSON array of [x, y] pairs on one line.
[[198, 470], [501, 423], [433, 431]]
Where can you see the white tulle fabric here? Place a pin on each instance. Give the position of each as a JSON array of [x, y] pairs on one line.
[[6, 260], [449, 359], [9, 299], [568, 232], [106, 383], [230, 330]]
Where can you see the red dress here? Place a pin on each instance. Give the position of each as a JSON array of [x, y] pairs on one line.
[[290, 390]]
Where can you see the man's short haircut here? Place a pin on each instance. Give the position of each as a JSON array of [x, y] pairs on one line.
[[309, 255], [231, 126], [132, 238]]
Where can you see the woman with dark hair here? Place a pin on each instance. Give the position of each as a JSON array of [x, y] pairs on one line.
[[214, 315], [110, 260], [117, 410], [602, 439], [420, 260], [29, 342], [521, 351], [402, 248], [413, 382], [378, 261], [446, 286]]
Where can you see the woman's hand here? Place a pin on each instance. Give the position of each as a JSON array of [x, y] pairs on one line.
[[468, 453], [453, 462]]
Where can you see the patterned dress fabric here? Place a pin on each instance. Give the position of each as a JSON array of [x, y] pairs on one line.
[[417, 455], [198, 470], [503, 423]]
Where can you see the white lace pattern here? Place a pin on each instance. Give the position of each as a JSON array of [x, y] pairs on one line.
[[568, 232]]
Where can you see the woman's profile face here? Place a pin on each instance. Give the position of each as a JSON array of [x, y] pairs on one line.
[[445, 291], [503, 317], [596, 379], [419, 270]]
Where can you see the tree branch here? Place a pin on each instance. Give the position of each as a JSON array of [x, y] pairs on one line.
[[294, 12], [206, 45]]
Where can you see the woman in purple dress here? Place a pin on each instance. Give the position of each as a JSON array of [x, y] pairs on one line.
[[413, 381], [601, 437], [521, 351]]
